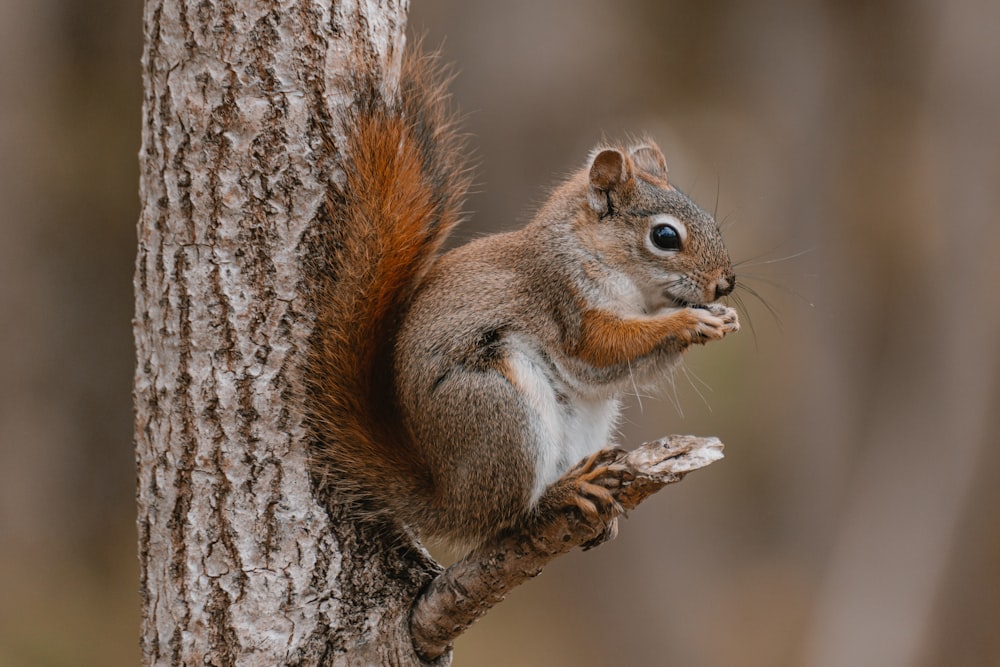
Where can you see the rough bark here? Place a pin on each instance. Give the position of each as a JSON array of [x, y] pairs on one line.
[[240, 563]]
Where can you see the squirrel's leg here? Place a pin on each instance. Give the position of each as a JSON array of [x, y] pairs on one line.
[[473, 430]]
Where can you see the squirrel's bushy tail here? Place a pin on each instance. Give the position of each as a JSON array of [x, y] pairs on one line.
[[406, 178]]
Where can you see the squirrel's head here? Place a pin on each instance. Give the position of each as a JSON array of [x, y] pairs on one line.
[[644, 227]]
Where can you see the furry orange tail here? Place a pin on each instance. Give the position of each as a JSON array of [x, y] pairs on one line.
[[406, 177]]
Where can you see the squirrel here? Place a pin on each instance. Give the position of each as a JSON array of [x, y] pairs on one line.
[[463, 393]]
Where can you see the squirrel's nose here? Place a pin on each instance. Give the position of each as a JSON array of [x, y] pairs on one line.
[[725, 286]]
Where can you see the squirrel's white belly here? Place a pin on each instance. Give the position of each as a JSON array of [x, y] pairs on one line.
[[565, 427]]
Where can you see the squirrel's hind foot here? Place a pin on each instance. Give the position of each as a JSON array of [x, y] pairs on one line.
[[588, 488]]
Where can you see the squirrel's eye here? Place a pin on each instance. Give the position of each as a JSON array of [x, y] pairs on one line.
[[665, 237]]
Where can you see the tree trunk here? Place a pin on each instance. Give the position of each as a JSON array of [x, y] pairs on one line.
[[241, 563]]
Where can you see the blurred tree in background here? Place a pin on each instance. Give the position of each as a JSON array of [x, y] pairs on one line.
[[856, 519]]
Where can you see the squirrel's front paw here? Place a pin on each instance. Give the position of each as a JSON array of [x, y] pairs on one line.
[[713, 322]]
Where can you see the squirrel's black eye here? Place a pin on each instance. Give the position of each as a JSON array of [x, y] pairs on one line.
[[665, 237]]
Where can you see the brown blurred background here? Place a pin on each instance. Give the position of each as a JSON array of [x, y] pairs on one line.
[[853, 150]]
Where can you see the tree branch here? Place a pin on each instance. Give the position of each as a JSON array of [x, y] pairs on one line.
[[469, 588]]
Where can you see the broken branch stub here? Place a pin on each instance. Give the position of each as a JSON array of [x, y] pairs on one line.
[[469, 588]]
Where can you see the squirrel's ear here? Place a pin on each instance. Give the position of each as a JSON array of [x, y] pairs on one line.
[[610, 171], [649, 159]]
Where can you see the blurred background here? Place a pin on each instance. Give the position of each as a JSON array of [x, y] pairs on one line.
[[852, 150]]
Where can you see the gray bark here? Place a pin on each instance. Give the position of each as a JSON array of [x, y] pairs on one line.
[[240, 562]]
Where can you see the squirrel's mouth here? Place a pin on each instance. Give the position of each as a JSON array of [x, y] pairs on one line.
[[678, 302]]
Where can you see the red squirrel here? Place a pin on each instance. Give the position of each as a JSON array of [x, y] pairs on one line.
[[458, 393]]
